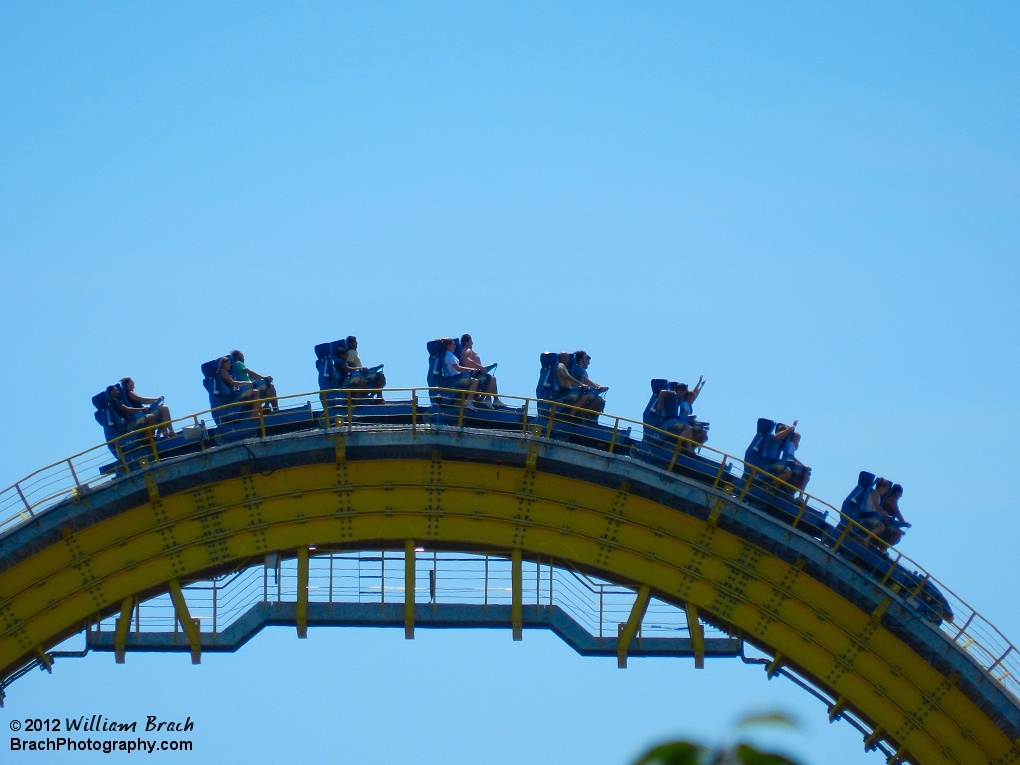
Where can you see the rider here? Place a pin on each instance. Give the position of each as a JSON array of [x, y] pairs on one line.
[[352, 363], [261, 383], [470, 359], [135, 417], [150, 406], [872, 516], [591, 399], [570, 387], [894, 521], [676, 407], [457, 375], [239, 389]]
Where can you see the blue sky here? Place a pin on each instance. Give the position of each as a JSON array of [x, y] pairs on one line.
[[815, 207]]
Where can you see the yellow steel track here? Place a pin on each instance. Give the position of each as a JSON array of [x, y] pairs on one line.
[[165, 528]]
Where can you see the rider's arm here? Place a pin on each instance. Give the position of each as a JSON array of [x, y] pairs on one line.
[[693, 394], [469, 363], [564, 378]]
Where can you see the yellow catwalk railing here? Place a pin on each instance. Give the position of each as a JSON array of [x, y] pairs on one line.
[[479, 578], [83, 472]]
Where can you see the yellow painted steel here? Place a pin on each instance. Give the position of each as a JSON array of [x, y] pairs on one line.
[[301, 607], [187, 623], [623, 537], [123, 624], [697, 635], [409, 559], [637, 613]]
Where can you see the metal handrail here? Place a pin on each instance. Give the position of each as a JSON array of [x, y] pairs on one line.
[[80, 473], [337, 577]]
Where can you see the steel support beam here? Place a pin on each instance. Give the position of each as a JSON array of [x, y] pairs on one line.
[[637, 613], [123, 625], [187, 623], [697, 635]]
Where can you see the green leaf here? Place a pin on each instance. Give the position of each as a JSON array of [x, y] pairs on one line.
[[673, 753], [748, 755], [769, 718]]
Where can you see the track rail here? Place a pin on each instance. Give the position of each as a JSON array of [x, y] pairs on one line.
[[104, 545], [81, 474]]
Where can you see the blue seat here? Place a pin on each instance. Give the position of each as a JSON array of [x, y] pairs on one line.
[[436, 351], [437, 376], [330, 378], [853, 506], [770, 451], [754, 454], [117, 431], [107, 416], [544, 389], [659, 419], [650, 416]]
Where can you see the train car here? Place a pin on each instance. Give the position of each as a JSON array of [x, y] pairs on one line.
[[761, 488], [666, 449], [448, 405], [558, 417], [345, 401], [344, 396], [852, 541]]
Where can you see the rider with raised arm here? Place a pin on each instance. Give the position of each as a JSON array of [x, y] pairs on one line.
[[676, 407], [800, 473], [470, 359]]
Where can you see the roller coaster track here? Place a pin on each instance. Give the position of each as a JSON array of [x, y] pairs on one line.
[[343, 519]]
